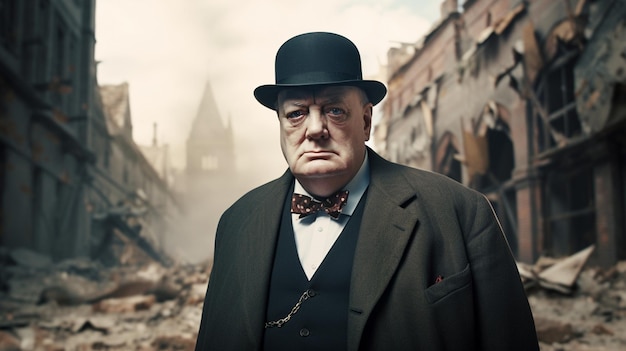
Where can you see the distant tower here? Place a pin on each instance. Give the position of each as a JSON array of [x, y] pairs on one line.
[[210, 146], [210, 182]]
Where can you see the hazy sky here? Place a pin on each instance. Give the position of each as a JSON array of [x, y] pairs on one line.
[[168, 49]]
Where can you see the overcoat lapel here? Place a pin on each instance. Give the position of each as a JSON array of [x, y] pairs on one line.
[[264, 223], [380, 247], [381, 243]]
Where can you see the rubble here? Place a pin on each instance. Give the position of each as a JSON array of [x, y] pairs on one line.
[[550, 331], [83, 305], [588, 315], [559, 275]]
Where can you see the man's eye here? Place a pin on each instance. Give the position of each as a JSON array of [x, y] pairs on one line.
[[335, 112], [295, 114]]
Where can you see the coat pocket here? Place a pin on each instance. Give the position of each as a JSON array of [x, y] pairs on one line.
[[450, 285]]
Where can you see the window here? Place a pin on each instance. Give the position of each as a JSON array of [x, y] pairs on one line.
[[449, 165], [107, 156], [58, 66], [125, 174], [209, 162], [570, 218], [446, 161], [39, 42], [553, 115], [8, 25]]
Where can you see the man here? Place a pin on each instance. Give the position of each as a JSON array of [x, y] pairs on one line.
[[347, 251]]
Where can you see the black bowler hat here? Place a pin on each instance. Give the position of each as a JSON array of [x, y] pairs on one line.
[[314, 59]]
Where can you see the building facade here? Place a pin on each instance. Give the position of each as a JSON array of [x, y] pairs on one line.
[[130, 198], [66, 166], [47, 81], [523, 101]]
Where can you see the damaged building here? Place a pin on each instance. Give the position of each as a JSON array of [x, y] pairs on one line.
[[133, 203], [523, 101], [72, 181]]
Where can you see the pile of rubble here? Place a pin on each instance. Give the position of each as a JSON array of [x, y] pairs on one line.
[[82, 305], [577, 309]]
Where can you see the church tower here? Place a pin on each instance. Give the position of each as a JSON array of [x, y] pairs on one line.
[[210, 146], [210, 182]]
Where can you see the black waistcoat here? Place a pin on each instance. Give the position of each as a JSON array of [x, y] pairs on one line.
[[321, 322]]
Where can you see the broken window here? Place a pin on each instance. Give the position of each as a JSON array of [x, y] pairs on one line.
[[501, 162], [495, 181], [451, 166], [447, 161], [498, 182], [553, 117], [570, 219]]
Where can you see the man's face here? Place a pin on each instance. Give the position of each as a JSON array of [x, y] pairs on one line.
[[323, 132]]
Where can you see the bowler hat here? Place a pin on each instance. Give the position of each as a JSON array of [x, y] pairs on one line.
[[314, 59]]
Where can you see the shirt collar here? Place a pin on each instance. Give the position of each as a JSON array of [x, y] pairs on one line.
[[356, 187]]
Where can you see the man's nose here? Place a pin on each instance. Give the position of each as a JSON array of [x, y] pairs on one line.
[[316, 125]]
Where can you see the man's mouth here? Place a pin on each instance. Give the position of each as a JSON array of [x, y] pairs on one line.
[[318, 154]]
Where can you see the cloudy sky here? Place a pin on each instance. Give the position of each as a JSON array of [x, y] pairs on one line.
[[168, 49]]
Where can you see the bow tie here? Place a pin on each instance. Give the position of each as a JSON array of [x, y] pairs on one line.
[[304, 205]]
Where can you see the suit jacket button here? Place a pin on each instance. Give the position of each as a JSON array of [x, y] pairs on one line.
[[304, 332]]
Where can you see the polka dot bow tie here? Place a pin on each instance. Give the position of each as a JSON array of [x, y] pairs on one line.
[[304, 205]]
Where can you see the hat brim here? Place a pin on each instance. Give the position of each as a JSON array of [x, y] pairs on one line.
[[267, 95]]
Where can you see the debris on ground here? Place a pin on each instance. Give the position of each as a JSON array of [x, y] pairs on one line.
[[83, 305], [558, 275], [577, 308]]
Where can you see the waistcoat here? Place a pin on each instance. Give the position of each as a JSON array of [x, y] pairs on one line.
[[321, 321]]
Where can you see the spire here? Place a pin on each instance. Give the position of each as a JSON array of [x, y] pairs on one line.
[[154, 134], [210, 144], [208, 122]]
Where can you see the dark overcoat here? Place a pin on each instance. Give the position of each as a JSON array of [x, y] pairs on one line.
[[417, 226]]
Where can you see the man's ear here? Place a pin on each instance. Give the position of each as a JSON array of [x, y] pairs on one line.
[[367, 119]]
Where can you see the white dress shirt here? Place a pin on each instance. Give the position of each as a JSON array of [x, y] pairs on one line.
[[315, 234]]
